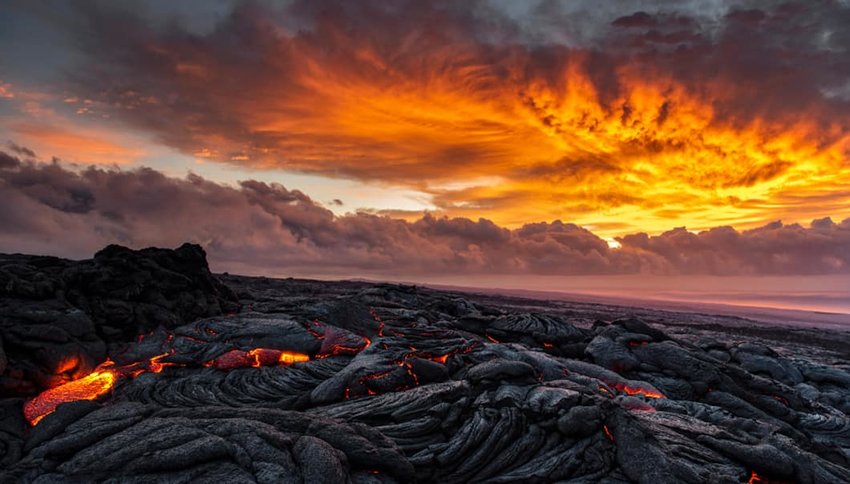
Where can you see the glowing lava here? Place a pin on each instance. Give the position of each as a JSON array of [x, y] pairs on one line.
[[756, 478], [441, 359], [256, 358], [87, 388], [106, 375], [608, 434], [620, 387]]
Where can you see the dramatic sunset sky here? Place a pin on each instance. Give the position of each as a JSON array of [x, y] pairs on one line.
[[414, 139]]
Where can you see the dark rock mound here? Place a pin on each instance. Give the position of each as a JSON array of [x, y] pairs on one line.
[[59, 318]]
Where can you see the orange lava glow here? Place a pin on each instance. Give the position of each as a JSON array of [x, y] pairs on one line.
[[257, 357], [441, 359], [107, 374], [287, 358], [637, 391], [87, 388], [756, 478], [608, 434]]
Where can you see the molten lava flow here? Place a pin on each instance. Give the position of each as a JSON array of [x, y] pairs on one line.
[[106, 375], [441, 359], [256, 358], [288, 358], [608, 434], [87, 388], [621, 387]]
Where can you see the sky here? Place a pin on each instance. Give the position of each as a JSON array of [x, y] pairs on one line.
[[413, 139]]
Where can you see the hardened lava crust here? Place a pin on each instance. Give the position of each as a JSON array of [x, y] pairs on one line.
[[142, 366]]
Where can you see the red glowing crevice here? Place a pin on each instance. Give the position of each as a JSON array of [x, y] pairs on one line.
[[608, 434], [378, 320], [406, 364], [756, 478], [334, 341]]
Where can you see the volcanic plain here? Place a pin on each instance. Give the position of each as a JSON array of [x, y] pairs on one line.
[[143, 366]]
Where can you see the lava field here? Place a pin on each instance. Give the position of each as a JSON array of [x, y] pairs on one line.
[[142, 366]]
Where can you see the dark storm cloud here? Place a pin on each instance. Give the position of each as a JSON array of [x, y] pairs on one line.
[[772, 60], [257, 227]]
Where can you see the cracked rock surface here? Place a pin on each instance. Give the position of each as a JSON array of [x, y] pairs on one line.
[[403, 384]]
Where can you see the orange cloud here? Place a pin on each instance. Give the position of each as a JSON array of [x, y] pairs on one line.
[[6, 90], [652, 127], [94, 146], [44, 122]]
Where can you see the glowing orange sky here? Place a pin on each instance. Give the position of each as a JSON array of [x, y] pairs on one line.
[[502, 131]]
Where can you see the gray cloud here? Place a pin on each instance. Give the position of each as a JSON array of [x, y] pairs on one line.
[[257, 227], [20, 150]]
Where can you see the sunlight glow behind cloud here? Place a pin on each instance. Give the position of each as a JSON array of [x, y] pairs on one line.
[[619, 119]]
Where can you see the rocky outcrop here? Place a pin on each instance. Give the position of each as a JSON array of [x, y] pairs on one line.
[[60, 318]]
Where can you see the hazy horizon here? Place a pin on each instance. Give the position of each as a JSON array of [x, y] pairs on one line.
[[819, 293]]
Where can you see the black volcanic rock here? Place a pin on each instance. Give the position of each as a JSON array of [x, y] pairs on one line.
[[58, 318], [405, 384]]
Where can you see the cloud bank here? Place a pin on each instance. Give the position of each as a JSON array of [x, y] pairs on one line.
[[259, 228], [640, 116]]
